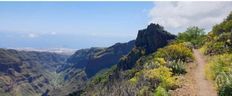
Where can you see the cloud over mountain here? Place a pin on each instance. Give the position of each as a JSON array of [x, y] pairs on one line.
[[176, 16]]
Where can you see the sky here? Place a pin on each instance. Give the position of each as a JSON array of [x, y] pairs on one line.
[[70, 24], [79, 25]]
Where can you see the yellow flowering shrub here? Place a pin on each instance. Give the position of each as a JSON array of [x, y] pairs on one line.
[[162, 73], [175, 52], [160, 61]]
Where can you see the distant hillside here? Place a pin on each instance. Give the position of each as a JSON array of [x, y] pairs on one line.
[[28, 73], [31, 72], [96, 59], [85, 63]]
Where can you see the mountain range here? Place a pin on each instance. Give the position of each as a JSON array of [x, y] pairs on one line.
[[30, 72]]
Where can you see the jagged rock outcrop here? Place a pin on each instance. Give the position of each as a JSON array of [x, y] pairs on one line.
[[148, 41]]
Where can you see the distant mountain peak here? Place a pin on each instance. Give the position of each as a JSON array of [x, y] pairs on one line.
[[153, 37]]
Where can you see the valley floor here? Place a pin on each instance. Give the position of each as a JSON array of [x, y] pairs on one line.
[[194, 82]]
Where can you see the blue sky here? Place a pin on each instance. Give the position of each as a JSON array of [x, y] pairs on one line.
[[70, 24], [98, 24]]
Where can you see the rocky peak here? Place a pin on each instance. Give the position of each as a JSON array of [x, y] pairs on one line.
[[148, 41], [152, 38]]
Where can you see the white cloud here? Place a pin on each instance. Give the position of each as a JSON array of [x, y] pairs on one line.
[[32, 35], [53, 33], [37, 34], [177, 16]]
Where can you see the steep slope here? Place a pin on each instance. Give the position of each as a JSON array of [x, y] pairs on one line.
[[108, 57], [96, 59], [114, 82], [85, 63], [28, 73], [81, 57]]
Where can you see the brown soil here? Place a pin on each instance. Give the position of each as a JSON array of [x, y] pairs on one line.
[[194, 82], [187, 83], [205, 88]]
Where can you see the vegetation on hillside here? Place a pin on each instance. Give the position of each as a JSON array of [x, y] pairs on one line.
[[102, 77], [219, 69], [218, 46], [219, 40], [29, 73], [154, 74]]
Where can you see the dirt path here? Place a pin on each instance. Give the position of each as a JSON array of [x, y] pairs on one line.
[[204, 87]]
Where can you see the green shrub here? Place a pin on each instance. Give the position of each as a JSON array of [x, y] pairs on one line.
[[160, 91], [100, 79], [224, 83], [225, 90], [194, 35], [134, 80], [103, 77], [177, 66], [225, 26]]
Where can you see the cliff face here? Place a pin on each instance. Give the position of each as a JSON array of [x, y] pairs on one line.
[[148, 41], [108, 57], [80, 58]]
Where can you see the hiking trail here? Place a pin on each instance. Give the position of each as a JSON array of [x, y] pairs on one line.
[[204, 87]]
